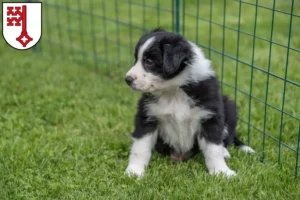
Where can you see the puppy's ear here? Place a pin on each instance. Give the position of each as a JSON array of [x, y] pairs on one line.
[[174, 57], [158, 29]]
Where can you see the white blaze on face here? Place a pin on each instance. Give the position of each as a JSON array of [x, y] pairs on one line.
[[143, 81]]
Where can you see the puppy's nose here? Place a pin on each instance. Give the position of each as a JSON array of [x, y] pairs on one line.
[[129, 80]]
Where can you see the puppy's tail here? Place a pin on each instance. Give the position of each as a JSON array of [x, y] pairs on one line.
[[238, 143]]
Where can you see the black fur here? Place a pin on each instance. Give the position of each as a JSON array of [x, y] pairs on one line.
[[162, 52], [143, 123]]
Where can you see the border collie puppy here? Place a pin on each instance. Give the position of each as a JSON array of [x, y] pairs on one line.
[[181, 111]]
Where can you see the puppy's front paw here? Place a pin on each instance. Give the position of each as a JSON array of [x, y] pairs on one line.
[[226, 172], [135, 170]]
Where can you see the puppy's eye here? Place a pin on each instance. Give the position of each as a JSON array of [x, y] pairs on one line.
[[148, 62]]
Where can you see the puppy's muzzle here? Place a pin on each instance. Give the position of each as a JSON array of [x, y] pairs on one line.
[[129, 80]]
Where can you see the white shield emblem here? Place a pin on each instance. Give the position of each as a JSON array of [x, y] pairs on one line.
[[22, 24]]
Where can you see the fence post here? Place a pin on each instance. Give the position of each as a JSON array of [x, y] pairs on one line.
[[177, 16], [297, 154]]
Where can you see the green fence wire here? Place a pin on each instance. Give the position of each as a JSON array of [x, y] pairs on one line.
[[254, 46]]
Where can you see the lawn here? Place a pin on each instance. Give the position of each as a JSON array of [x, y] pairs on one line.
[[66, 113]]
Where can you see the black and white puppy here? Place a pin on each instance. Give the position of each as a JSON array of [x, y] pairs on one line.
[[181, 110]]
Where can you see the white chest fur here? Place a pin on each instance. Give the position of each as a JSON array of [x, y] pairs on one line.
[[179, 120]]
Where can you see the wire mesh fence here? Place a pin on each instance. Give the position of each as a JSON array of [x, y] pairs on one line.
[[254, 46]]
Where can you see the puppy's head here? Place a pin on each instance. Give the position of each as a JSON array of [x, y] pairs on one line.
[[160, 56]]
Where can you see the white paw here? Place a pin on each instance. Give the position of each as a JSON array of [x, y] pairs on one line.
[[226, 153], [247, 149], [226, 172], [135, 170]]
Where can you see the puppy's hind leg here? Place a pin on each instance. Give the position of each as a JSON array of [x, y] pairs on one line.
[[238, 143], [226, 153]]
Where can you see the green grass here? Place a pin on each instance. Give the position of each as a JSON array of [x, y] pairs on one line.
[[64, 126]]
